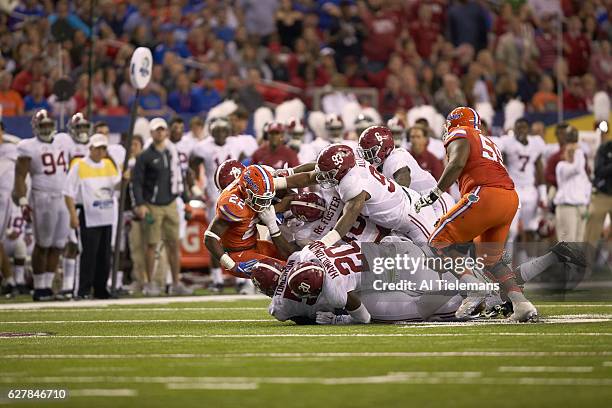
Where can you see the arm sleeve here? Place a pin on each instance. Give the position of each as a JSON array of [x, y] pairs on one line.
[[138, 180]]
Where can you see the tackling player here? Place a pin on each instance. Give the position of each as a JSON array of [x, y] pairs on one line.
[[485, 211]]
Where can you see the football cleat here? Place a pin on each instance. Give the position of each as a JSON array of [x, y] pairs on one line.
[[569, 253], [524, 312], [42, 295]]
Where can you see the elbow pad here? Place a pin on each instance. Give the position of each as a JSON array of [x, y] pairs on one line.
[[360, 315]]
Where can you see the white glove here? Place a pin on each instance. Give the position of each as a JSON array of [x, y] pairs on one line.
[[268, 217], [428, 199], [330, 318]]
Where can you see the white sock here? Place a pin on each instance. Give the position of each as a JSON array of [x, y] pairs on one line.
[[20, 274], [39, 280], [240, 281], [536, 266], [69, 270], [48, 282], [10, 281], [217, 276]]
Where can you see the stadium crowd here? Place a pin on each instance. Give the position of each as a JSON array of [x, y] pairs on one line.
[[261, 53]]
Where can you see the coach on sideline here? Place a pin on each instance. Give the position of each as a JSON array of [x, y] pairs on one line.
[[90, 187]]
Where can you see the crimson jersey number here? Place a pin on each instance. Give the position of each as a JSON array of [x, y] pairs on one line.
[[346, 260], [51, 164], [382, 179]]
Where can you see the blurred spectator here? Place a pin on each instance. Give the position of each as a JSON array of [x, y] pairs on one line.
[[573, 194], [140, 18], [259, 17], [573, 96], [382, 27], [288, 23], [576, 47], [346, 34], [36, 100], [529, 81], [274, 152], [65, 18], [449, 96], [151, 100], [546, 42], [424, 31], [506, 90], [601, 199], [23, 80], [516, 46], [10, 100], [565, 134], [545, 100], [196, 129], [418, 148], [467, 23], [601, 65]]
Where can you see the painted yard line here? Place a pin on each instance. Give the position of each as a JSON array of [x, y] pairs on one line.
[[607, 363], [545, 369], [399, 377], [212, 386], [103, 392], [573, 305], [315, 354], [132, 301], [140, 321], [137, 309], [545, 320], [297, 335]]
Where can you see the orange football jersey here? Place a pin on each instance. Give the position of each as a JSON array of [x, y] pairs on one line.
[[484, 166], [243, 230]]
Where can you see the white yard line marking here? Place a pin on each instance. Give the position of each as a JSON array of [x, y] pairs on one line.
[[545, 369], [298, 335], [212, 386], [140, 321], [103, 392], [307, 354], [132, 301], [607, 363], [543, 320]]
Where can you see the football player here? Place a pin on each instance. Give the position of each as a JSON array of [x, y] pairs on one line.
[[297, 131], [46, 161], [363, 190], [361, 123], [523, 159], [8, 157], [17, 244], [376, 145], [398, 129], [231, 236], [76, 145], [485, 211]]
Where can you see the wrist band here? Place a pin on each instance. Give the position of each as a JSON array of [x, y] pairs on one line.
[[23, 201], [331, 238], [280, 183], [227, 262]]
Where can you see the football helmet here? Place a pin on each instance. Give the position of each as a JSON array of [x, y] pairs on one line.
[[333, 163], [334, 125], [306, 280], [362, 122], [376, 144], [461, 116], [265, 275], [43, 126], [307, 207], [398, 129], [220, 128], [79, 128], [257, 187], [296, 130], [227, 172]]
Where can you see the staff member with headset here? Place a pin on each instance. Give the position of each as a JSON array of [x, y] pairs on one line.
[[90, 187]]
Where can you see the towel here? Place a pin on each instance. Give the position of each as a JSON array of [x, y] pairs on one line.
[[176, 173]]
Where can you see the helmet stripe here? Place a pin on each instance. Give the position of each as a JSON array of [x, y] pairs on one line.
[[265, 176], [476, 118]]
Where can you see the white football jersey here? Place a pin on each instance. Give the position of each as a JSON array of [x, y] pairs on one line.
[[73, 149], [307, 153], [8, 157], [318, 144], [243, 145], [342, 265], [213, 155], [520, 159], [420, 180], [388, 200], [184, 147], [117, 153], [48, 163]]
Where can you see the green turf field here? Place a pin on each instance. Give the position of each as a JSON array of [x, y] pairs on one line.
[[232, 354]]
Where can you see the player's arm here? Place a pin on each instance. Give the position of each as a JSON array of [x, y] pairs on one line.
[[285, 248], [352, 209], [541, 182], [212, 240], [402, 176], [22, 167], [458, 151], [299, 180]]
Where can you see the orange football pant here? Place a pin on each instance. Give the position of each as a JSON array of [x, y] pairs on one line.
[[483, 216], [261, 250]]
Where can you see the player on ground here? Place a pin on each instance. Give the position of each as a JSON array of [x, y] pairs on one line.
[[523, 159], [485, 211], [396, 163], [365, 191], [46, 161], [231, 237]]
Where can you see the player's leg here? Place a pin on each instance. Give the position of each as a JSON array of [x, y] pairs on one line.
[[152, 232], [42, 224], [19, 254], [69, 265], [9, 286], [61, 232]]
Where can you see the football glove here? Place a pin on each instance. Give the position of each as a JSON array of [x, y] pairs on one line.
[[246, 266], [428, 199]]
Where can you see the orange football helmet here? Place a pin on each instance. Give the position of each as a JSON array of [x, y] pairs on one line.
[[257, 187], [462, 116]]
